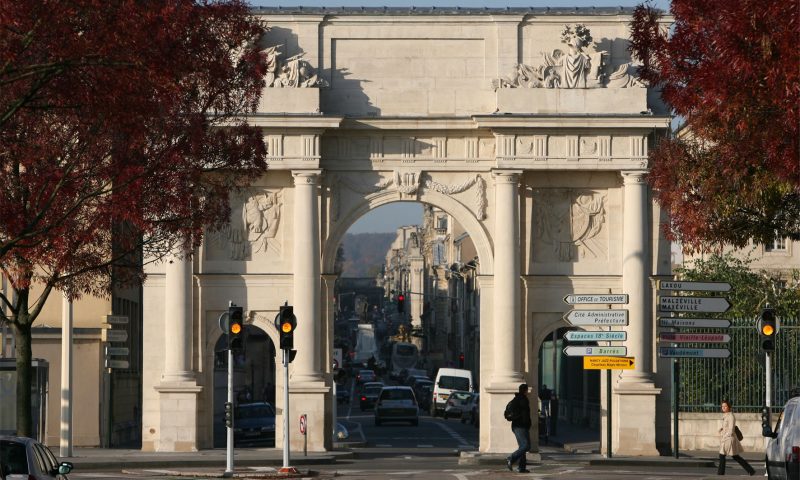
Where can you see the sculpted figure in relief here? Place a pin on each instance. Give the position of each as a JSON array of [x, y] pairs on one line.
[[569, 220], [253, 227], [294, 72]]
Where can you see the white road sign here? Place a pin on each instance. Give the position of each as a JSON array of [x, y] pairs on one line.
[[110, 351], [673, 352], [115, 319], [123, 364], [581, 318], [575, 351], [574, 336], [694, 286], [694, 322], [694, 337], [693, 304], [575, 299], [114, 335], [303, 423]]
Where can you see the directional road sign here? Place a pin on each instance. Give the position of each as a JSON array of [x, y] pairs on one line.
[[114, 335], [115, 319], [575, 351], [609, 363], [110, 351], [694, 337], [673, 352], [694, 304], [596, 298], [694, 322], [694, 286], [123, 364], [574, 336], [581, 318]]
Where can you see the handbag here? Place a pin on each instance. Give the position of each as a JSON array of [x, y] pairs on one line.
[[738, 433]]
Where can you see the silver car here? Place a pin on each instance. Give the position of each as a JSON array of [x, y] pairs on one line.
[[24, 458], [783, 446], [397, 404]]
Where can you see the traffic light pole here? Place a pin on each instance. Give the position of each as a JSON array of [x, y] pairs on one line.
[[286, 468], [229, 453], [768, 364]]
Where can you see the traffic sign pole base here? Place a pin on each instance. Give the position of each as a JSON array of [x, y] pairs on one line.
[[288, 470]]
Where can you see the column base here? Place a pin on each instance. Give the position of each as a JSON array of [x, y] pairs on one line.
[[178, 414], [635, 431], [314, 400], [496, 436]]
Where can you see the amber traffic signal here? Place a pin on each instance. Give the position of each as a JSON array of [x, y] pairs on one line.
[[235, 327], [767, 329], [287, 323]]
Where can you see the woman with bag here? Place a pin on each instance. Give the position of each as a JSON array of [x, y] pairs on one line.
[[729, 440]]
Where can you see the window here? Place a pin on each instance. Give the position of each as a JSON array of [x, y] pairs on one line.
[[777, 245], [454, 383], [14, 457]]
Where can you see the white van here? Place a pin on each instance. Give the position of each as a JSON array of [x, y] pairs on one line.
[[448, 380]]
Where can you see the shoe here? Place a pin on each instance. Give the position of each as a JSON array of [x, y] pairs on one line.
[[509, 464], [524, 470]]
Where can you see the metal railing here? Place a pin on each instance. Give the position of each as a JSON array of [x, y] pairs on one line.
[[741, 378]]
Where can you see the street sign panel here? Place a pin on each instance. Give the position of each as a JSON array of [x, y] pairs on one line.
[[110, 351], [574, 336], [115, 319], [575, 299], [694, 286], [303, 423], [122, 364], [694, 337], [576, 351], [674, 352], [609, 363], [694, 322], [694, 304], [114, 335], [581, 318]]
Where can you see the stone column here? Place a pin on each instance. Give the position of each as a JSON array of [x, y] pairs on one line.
[[306, 265], [636, 394], [178, 389], [506, 318], [636, 266]]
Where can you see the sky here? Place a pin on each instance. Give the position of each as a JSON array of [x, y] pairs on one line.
[[389, 217]]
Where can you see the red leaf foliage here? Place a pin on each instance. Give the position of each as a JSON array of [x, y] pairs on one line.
[[120, 119], [731, 69]]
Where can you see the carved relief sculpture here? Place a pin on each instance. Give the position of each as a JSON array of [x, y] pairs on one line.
[[570, 222], [582, 66], [293, 72], [253, 227]]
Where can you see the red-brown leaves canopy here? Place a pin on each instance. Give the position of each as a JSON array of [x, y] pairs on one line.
[[120, 118], [731, 69]]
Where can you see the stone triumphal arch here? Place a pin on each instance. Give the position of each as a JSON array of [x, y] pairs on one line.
[[528, 126]]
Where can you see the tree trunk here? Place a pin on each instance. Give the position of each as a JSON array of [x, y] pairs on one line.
[[22, 336]]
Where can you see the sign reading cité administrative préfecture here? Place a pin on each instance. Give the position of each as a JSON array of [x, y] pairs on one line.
[[693, 304], [581, 318]]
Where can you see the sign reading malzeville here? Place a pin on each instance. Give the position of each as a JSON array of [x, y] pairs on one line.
[[693, 304], [581, 318], [575, 299]]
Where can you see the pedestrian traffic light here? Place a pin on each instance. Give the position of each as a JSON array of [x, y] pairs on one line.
[[767, 329], [461, 361], [766, 423], [287, 323], [235, 327], [229, 414], [401, 303]]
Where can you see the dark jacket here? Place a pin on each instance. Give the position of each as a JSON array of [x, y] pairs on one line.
[[522, 405]]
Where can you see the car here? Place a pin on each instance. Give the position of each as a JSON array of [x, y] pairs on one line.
[[456, 403], [783, 444], [26, 458], [342, 394], [412, 380], [397, 404], [419, 384], [365, 376], [369, 395], [472, 410], [254, 422], [447, 380]]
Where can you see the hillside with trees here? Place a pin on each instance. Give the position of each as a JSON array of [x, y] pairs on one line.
[[364, 253]]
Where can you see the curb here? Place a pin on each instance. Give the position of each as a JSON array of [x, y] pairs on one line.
[[653, 462], [478, 458], [167, 463]]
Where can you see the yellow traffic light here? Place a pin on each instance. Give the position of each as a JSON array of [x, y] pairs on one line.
[[767, 330], [286, 327], [236, 328]]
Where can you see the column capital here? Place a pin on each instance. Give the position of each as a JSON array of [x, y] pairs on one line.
[[306, 177], [501, 176], [633, 177]]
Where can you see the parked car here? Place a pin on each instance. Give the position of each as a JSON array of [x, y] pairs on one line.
[[783, 446], [26, 458], [254, 422], [342, 394], [412, 380], [365, 376], [397, 404], [369, 395], [456, 403], [472, 410]]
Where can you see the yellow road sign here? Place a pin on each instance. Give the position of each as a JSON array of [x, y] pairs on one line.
[[608, 363]]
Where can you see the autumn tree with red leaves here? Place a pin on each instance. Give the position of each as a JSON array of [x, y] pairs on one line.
[[731, 69], [121, 137]]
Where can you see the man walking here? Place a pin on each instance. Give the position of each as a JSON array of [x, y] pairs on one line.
[[518, 411]]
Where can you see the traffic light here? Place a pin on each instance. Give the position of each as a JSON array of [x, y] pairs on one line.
[[767, 329], [766, 422], [235, 327], [461, 361], [229, 414], [287, 323], [401, 303]]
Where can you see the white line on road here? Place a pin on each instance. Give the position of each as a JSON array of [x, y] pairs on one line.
[[453, 433]]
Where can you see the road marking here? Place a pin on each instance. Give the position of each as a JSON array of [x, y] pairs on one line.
[[424, 446], [382, 445], [458, 438]]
